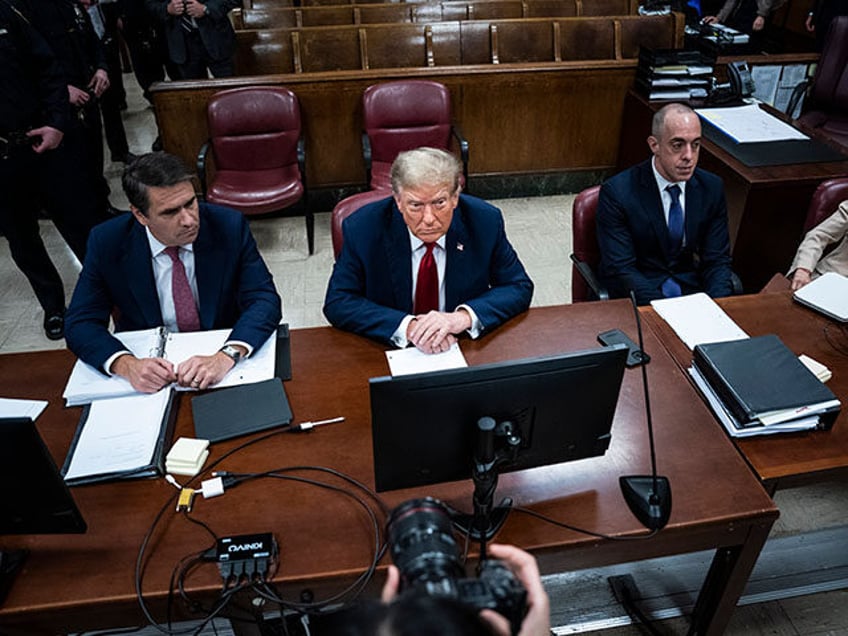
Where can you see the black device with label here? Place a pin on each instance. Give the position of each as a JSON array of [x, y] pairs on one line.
[[635, 356]]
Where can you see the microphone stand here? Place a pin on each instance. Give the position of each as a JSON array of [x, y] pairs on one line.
[[648, 496]]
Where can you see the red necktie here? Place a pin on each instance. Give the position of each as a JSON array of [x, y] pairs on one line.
[[427, 287], [186, 310]]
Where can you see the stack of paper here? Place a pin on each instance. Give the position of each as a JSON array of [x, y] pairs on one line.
[[87, 383], [697, 319]]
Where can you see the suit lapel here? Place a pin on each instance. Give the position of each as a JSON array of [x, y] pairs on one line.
[[396, 244], [694, 205], [209, 277], [653, 207], [137, 265], [456, 259]]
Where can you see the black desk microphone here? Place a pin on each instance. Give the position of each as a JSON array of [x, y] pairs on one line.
[[649, 496]]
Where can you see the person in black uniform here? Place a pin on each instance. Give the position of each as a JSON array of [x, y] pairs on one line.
[[66, 26], [37, 165], [822, 13]]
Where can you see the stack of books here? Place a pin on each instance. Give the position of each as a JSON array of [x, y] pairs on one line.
[[672, 74], [757, 386]]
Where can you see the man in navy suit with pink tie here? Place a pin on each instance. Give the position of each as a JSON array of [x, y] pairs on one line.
[[427, 263], [662, 224], [172, 262]]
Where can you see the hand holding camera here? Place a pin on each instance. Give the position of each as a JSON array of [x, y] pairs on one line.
[[428, 560]]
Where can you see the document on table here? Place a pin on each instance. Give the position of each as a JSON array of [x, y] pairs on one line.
[[697, 319], [749, 124], [120, 437], [412, 360], [87, 383], [10, 407], [734, 428]]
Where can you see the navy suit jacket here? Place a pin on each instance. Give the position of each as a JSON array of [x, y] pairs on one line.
[[636, 251], [370, 289], [234, 286]]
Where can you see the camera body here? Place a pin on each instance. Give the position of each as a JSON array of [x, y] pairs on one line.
[[424, 549]]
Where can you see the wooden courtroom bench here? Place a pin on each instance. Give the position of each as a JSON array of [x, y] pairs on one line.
[[374, 46], [269, 16], [520, 117]]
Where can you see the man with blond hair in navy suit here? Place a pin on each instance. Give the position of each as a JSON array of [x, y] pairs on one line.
[[662, 224], [176, 263], [427, 263]]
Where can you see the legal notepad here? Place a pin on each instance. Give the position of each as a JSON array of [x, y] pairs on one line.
[[828, 294], [240, 410], [761, 382]]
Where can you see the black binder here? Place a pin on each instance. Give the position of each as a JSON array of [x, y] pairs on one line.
[[155, 468], [240, 410], [758, 375]]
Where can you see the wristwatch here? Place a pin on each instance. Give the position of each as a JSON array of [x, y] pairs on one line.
[[231, 352]]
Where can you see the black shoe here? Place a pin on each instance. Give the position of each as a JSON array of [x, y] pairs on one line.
[[54, 325], [157, 145]]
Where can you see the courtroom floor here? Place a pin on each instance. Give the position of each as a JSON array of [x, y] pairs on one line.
[[799, 586]]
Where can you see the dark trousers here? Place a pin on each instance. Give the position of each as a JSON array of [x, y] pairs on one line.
[[51, 181], [115, 96], [198, 60]]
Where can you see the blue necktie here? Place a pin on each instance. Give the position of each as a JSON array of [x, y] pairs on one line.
[[670, 287], [675, 218]]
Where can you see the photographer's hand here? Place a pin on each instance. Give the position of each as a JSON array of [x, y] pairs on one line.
[[537, 622], [391, 586]]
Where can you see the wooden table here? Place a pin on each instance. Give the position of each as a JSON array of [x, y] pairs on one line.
[[86, 581], [781, 460], [766, 205]]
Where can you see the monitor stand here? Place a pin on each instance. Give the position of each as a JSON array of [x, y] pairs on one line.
[[10, 563], [487, 519]]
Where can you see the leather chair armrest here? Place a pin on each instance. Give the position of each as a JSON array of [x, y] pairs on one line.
[[590, 279], [201, 168], [366, 157]]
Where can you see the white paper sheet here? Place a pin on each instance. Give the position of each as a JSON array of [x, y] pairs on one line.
[[411, 360], [119, 435], [749, 124], [697, 319], [11, 407]]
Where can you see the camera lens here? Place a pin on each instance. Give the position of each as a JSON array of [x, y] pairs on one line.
[[423, 546]]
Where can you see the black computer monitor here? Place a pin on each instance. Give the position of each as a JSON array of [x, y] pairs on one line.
[[35, 499], [425, 426], [33, 496]]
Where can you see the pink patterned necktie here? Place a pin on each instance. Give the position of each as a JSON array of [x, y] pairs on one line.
[[187, 318]]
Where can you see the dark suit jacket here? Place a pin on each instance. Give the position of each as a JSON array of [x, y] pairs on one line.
[[633, 236], [370, 290], [234, 286], [216, 30]]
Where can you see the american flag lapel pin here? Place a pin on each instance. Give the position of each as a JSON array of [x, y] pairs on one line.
[[460, 247]]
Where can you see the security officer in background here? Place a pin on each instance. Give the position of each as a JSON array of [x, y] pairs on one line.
[[66, 26], [38, 168]]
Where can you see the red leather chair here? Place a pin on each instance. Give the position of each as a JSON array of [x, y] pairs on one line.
[[585, 254], [401, 116], [345, 208], [256, 142], [826, 199], [826, 108]]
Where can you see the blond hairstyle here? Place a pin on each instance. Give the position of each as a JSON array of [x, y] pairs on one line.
[[425, 166]]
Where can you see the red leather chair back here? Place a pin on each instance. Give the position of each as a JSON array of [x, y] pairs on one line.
[[584, 236], [345, 208], [254, 128], [826, 199], [401, 116], [827, 106], [830, 86]]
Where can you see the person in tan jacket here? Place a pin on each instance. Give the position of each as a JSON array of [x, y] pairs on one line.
[[809, 262]]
